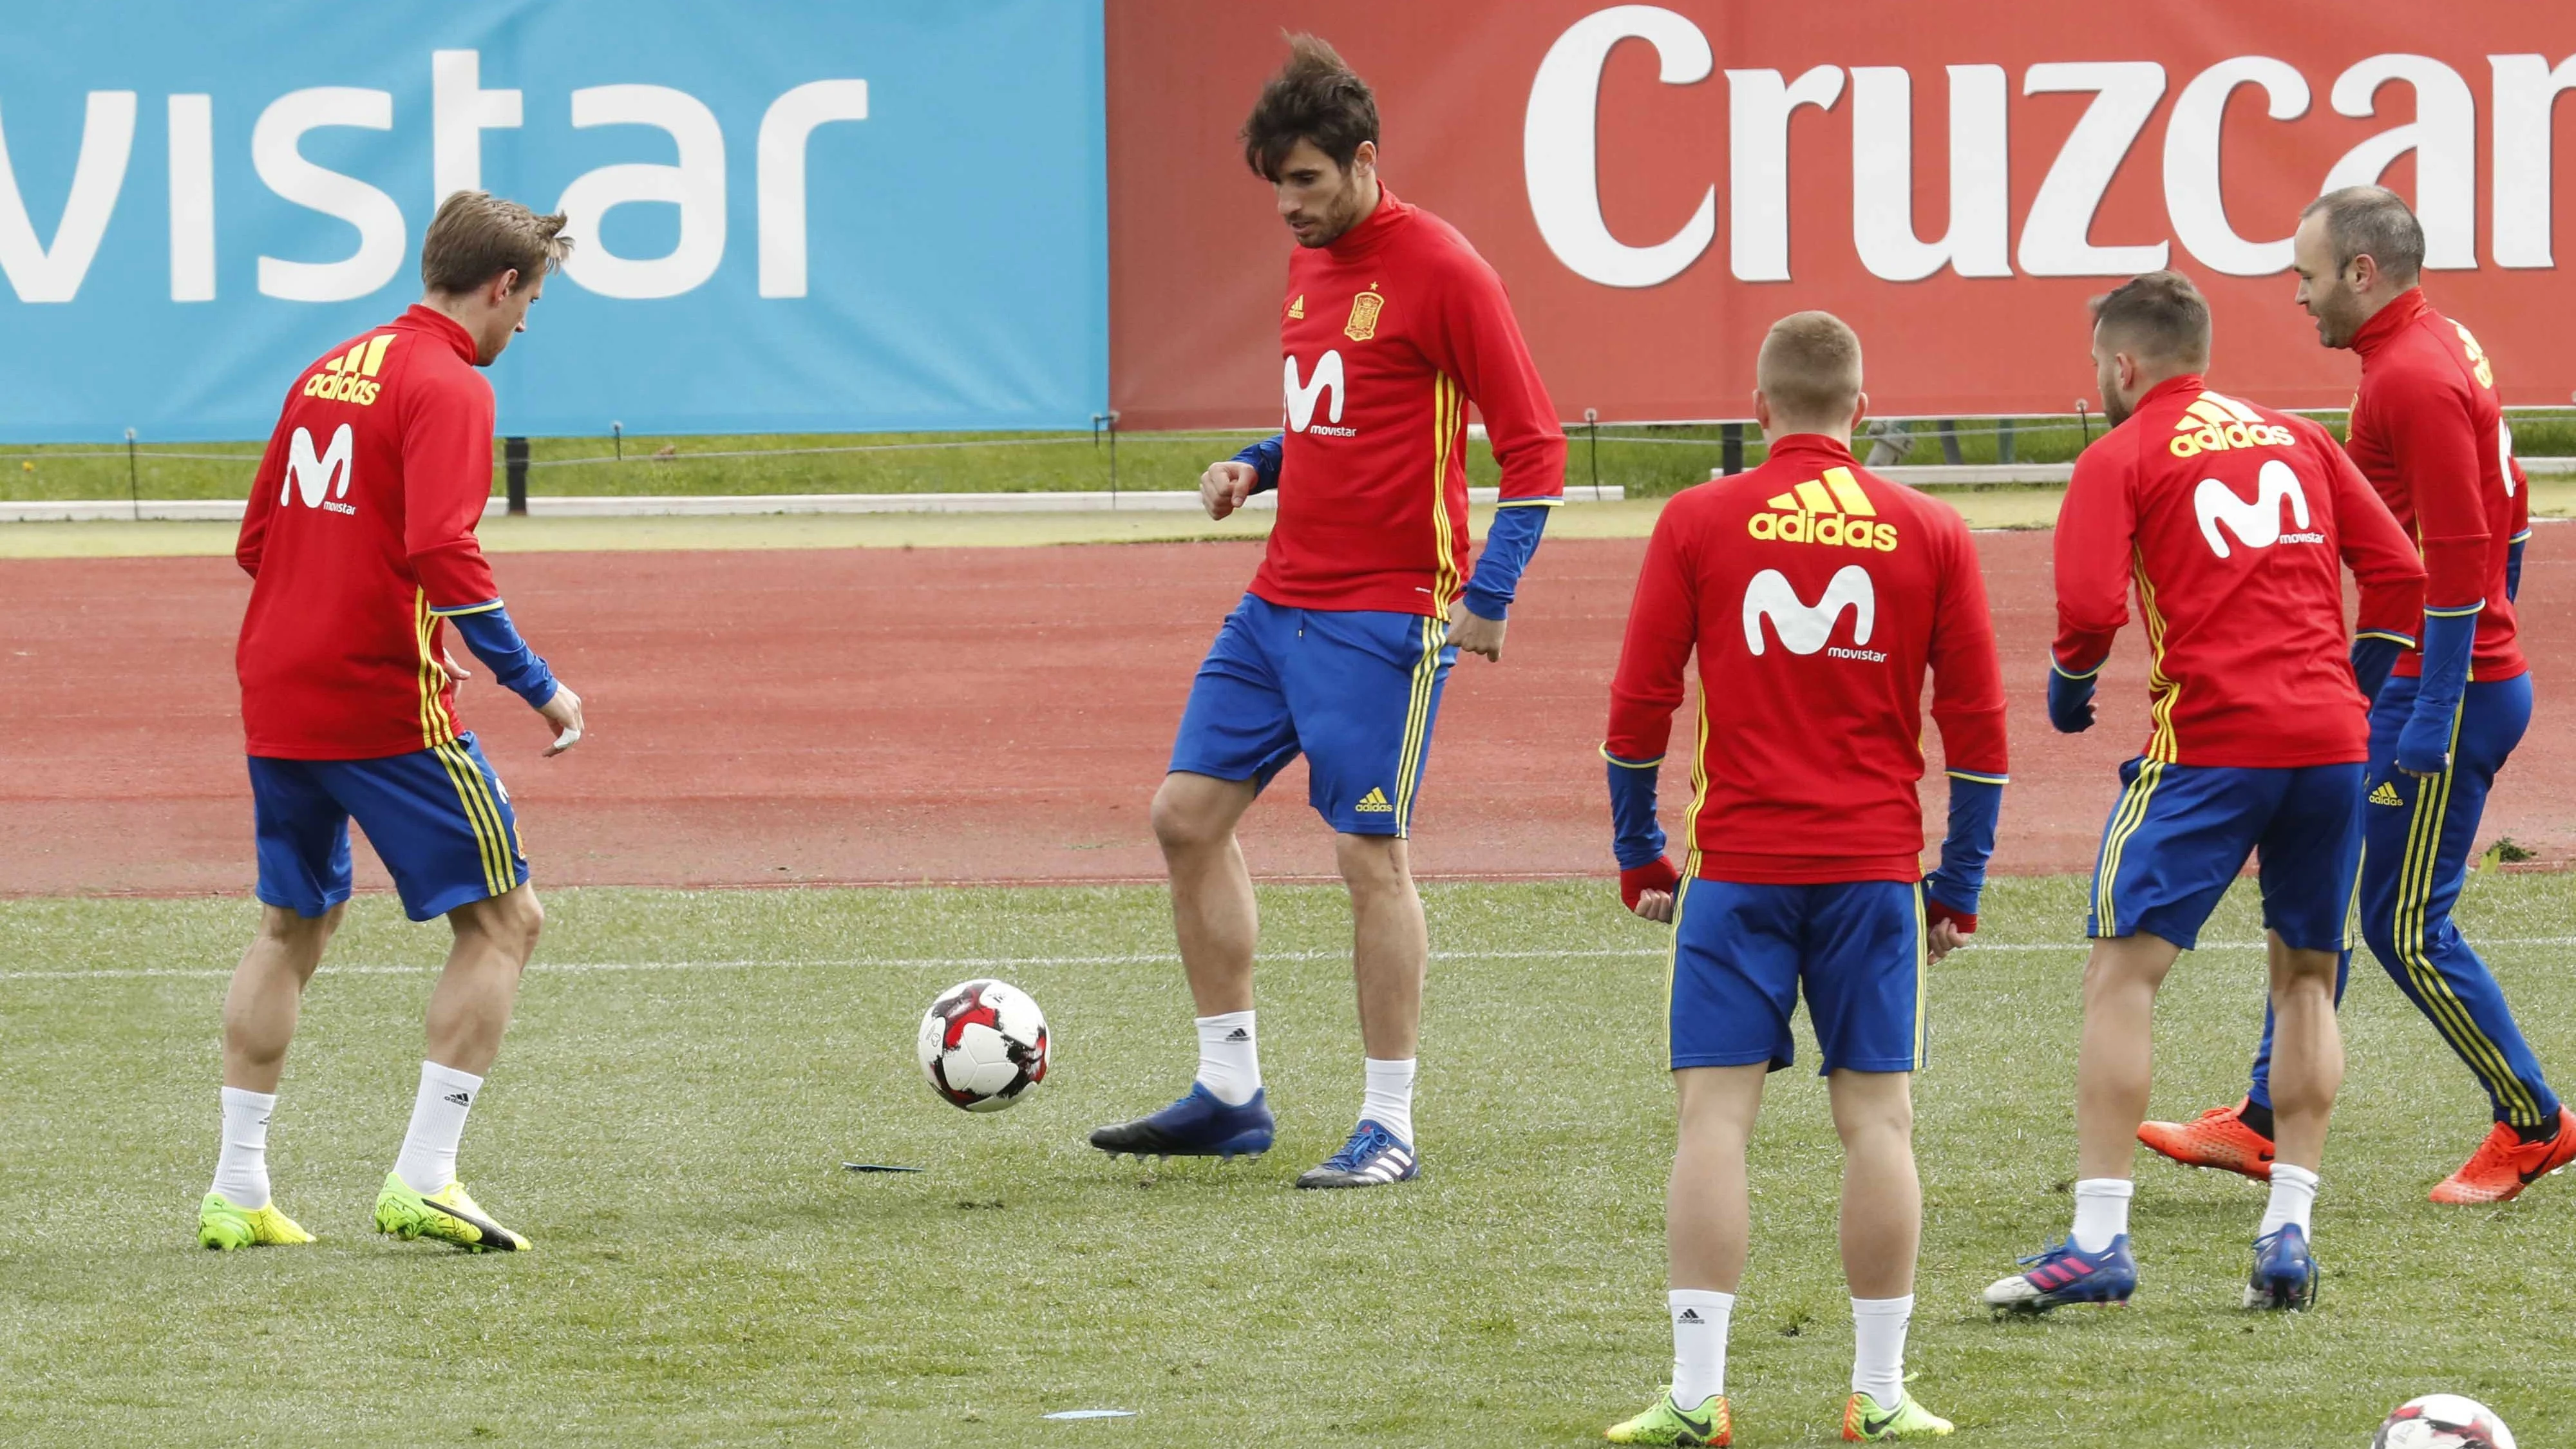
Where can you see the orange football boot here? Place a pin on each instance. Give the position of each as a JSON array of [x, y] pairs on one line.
[[2504, 1164], [2216, 1138]]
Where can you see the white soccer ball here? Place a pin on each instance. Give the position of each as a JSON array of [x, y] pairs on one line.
[[983, 1045], [2443, 1421]]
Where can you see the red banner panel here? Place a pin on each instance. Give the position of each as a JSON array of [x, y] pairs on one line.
[[1658, 183]]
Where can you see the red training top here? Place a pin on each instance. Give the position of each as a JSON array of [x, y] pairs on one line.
[[2430, 436], [2244, 616], [1388, 333], [359, 535], [1810, 727]]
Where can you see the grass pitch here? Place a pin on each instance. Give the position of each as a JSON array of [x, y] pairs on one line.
[[688, 1072]]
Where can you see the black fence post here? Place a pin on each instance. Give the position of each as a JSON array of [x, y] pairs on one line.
[[1730, 447], [2004, 440], [514, 465], [133, 483], [1592, 422]]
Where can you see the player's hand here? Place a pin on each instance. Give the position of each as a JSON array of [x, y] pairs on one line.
[[1225, 486], [2424, 745], [1473, 633], [2070, 702], [1946, 927], [456, 673], [1944, 938], [564, 713], [1649, 890]]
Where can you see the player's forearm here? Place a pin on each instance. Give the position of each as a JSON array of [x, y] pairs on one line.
[[2080, 650], [2513, 567], [1636, 837], [1976, 805], [1264, 457], [1509, 545], [496, 641]]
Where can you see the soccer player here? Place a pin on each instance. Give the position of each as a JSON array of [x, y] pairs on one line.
[[2255, 746], [1804, 836], [1390, 326], [359, 541], [2428, 433]]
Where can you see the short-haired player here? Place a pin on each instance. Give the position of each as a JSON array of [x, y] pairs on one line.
[[1816, 596], [2233, 523], [359, 540], [1389, 327]]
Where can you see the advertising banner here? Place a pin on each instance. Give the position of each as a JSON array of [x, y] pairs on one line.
[[1658, 183], [787, 217]]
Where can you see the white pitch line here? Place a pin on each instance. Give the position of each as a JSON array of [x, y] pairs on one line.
[[1005, 963]]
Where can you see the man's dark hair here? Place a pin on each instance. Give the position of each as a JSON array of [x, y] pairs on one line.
[[2375, 222], [1314, 97], [2159, 317]]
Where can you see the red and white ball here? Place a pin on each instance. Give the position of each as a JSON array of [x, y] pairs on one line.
[[983, 1045], [2443, 1421]]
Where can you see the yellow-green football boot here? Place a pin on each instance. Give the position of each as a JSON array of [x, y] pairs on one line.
[[223, 1226], [1864, 1421], [447, 1215], [1669, 1423]]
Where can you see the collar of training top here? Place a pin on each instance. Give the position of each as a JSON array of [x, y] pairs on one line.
[[1373, 229], [430, 319], [2408, 306], [1816, 445]]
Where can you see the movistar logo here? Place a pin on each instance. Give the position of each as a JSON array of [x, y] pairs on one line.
[[1302, 396], [1803, 629], [2214, 423], [1832, 510], [319, 478], [2256, 524]]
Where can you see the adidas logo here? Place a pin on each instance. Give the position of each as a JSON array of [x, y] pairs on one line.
[[351, 378], [1297, 309], [2215, 423], [1830, 510], [2386, 794], [461, 1099], [1238, 1034], [1690, 1316], [1374, 803]]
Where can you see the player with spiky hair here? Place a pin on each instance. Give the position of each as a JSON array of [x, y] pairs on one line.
[[359, 540], [2449, 704], [2233, 524], [1805, 834], [1390, 326]]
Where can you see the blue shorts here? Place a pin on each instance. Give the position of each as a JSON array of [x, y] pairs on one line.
[[439, 820], [2181, 833], [1354, 690], [1743, 953]]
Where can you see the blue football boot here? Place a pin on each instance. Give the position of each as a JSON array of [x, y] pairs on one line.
[[2060, 1274], [1372, 1157], [1198, 1125], [2285, 1272]]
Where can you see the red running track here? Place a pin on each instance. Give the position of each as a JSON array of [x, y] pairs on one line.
[[948, 715]]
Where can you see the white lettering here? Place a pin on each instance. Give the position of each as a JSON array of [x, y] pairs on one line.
[[2192, 192], [696, 185], [781, 177], [2444, 138], [1979, 242], [41, 273], [2256, 524], [318, 478], [1758, 108], [2056, 236], [192, 198], [2526, 100], [379, 222], [1301, 395], [1804, 630], [1560, 159], [460, 111]]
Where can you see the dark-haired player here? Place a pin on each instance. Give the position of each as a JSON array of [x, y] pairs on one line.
[[2232, 523], [1390, 326], [2429, 434], [1816, 596], [359, 541]]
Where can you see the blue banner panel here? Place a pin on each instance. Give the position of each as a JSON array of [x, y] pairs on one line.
[[787, 217]]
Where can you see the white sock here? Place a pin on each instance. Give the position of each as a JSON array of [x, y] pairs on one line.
[[2101, 1212], [1229, 1057], [241, 1172], [2294, 1198], [1700, 1316], [428, 1161], [1878, 1347], [1388, 1101]]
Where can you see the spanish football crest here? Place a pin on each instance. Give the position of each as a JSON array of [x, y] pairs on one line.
[[1364, 310]]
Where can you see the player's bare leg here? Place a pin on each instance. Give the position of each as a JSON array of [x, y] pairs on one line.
[[2307, 1071], [1882, 1233], [1390, 952], [468, 1012], [1707, 1231], [1225, 1113], [260, 1010]]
